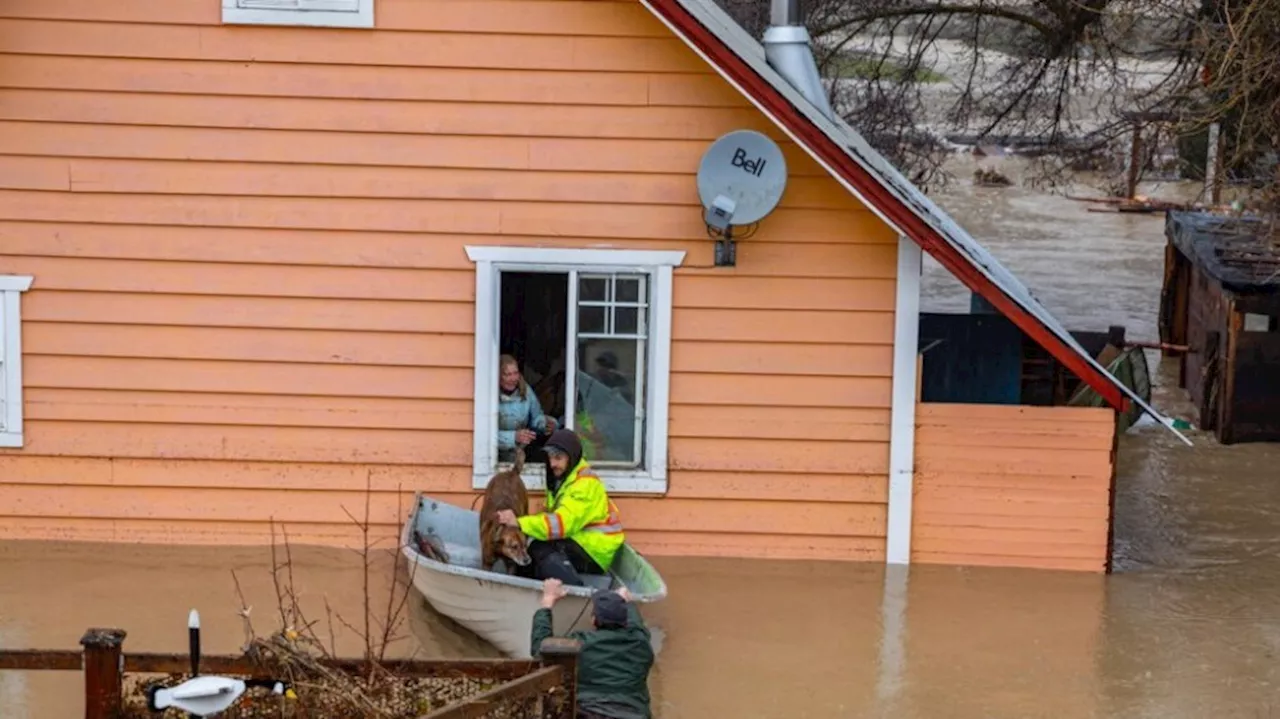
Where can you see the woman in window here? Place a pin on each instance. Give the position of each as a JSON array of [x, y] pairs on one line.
[[520, 418]]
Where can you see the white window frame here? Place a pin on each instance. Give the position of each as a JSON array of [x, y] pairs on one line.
[[11, 289], [492, 260], [260, 12]]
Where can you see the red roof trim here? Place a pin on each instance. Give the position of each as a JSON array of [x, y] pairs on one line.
[[924, 235]]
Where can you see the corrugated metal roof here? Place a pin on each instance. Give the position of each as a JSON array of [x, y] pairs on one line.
[[749, 49]]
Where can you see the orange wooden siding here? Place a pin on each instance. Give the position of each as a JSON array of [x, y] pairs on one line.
[[1013, 486], [251, 295]]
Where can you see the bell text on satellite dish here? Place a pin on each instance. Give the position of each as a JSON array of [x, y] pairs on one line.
[[741, 178]]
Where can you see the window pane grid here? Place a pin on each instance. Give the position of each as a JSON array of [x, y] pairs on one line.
[[613, 309]]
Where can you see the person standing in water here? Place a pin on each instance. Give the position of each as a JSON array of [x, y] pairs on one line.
[[580, 530], [617, 654]]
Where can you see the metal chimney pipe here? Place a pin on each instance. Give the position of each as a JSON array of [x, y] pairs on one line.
[[785, 12], [787, 49]]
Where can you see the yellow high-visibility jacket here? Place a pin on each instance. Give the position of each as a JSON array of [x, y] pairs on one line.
[[583, 512]]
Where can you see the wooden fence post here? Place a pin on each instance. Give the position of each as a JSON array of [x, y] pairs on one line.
[[103, 673], [563, 652]]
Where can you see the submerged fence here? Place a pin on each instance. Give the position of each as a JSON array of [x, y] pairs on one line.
[[449, 689]]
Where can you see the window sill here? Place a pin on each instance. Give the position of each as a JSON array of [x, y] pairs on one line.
[[616, 481], [10, 440]]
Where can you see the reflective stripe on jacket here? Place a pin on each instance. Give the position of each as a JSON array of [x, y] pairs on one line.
[[582, 511]]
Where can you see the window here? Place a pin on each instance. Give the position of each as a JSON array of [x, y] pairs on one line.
[[11, 289], [314, 13], [591, 330]]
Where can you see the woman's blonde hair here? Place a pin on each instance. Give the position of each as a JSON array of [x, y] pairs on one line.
[[508, 361]]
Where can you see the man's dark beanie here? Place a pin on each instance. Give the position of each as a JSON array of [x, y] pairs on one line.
[[610, 609]]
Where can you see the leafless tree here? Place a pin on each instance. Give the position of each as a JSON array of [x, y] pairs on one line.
[[1063, 79]]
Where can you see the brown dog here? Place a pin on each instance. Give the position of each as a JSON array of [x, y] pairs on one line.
[[505, 491]]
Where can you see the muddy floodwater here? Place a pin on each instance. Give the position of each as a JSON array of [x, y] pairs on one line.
[[1187, 627]]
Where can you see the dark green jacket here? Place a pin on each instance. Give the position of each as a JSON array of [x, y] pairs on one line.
[[613, 669]]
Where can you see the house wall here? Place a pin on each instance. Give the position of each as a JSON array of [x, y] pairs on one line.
[[1014, 486], [251, 297]]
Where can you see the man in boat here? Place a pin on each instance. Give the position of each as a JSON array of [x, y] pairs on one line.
[[617, 654], [580, 530]]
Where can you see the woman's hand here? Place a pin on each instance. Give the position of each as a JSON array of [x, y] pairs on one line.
[[507, 517], [524, 436], [551, 425]]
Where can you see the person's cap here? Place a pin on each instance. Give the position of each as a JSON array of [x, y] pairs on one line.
[[562, 441], [610, 609]]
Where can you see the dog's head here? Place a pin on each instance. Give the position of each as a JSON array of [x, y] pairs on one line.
[[510, 543]]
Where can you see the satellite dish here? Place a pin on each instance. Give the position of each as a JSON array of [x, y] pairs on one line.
[[741, 179]]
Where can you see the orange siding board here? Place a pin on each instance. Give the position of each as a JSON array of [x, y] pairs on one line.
[[186, 531], [342, 47], [247, 377], [206, 504], [268, 444], [1030, 548], [262, 410], [1091, 439], [860, 261], [140, 276], [781, 390], [833, 360], [249, 345], [606, 155], [755, 454], [964, 503], [1013, 486], [980, 560], [623, 122], [85, 74], [1010, 415], [225, 245], [294, 180], [998, 459], [366, 149], [228, 311], [778, 487], [784, 326], [785, 423], [754, 517], [974, 478], [549, 17], [182, 474], [710, 292], [769, 546], [418, 216], [966, 526]]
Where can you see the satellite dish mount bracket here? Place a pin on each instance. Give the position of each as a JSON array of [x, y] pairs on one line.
[[719, 218]]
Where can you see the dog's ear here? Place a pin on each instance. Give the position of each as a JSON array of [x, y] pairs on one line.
[[497, 532], [519, 465]]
